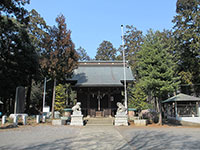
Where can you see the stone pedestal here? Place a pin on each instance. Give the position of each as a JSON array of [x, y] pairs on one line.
[[121, 120], [76, 119]]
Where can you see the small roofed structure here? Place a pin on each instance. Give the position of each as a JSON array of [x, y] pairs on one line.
[[182, 107]]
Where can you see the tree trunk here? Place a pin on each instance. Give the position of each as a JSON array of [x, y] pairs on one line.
[[159, 111], [53, 99], [28, 94]]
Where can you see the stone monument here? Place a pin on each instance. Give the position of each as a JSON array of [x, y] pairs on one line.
[[121, 118], [77, 117], [19, 100], [19, 105]]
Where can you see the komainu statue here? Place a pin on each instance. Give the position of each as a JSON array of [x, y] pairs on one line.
[[121, 110], [77, 108]]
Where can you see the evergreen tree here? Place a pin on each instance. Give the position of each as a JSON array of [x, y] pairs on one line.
[[14, 8], [65, 97], [156, 69], [133, 40], [38, 30], [61, 96], [83, 56], [60, 57], [18, 59], [137, 98], [187, 36], [106, 51]]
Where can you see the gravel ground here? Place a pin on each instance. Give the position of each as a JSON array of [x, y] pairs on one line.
[[38, 137], [100, 137]]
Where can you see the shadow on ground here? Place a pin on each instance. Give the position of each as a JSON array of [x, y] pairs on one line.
[[156, 140]]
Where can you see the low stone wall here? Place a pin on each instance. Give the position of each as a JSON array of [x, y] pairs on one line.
[[140, 122], [185, 121], [58, 122]]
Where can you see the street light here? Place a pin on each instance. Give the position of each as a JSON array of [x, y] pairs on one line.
[[124, 63], [44, 93]]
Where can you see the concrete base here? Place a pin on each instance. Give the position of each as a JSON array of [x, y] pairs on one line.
[[140, 122], [18, 115], [76, 120], [121, 120], [58, 122]]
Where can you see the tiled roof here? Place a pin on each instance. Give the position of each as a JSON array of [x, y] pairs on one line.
[[101, 74], [181, 97]]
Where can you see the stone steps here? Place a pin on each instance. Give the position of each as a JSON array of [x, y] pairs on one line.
[[99, 121]]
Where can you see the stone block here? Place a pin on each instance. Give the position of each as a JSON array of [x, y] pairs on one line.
[[76, 120], [24, 118], [37, 118], [58, 122], [15, 120], [121, 120], [140, 122], [43, 119], [3, 120]]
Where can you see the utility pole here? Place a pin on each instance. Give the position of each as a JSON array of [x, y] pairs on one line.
[[44, 93], [124, 63], [54, 94]]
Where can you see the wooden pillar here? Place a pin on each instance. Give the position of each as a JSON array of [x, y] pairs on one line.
[[88, 102], [176, 112], [197, 109], [109, 102]]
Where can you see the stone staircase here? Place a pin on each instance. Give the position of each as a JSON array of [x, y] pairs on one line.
[[99, 121]]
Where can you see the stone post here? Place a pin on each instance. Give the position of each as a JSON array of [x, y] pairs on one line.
[[15, 120], [43, 119], [24, 118], [3, 119], [37, 118]]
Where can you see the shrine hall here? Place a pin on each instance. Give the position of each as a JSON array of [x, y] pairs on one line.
[[100, 85]]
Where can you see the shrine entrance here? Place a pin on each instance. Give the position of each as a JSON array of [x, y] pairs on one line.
[[99, 102]]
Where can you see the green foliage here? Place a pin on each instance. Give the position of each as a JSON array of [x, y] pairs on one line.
[[38, 30], [133, 39], [106, 51], [61, 97], [36, 98], [65, 97], [14, 9], [83, 56], [18, 59], [187, 35], [137, 98], [156, 66]]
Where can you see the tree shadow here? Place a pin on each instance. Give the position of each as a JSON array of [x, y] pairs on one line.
[[80, 78], [148, 139], [10, 126]]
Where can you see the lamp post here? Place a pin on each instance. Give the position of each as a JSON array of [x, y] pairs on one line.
[[124, 64], [44, 93]]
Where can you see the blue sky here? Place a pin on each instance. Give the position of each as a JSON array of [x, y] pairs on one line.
[[92, 21]]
